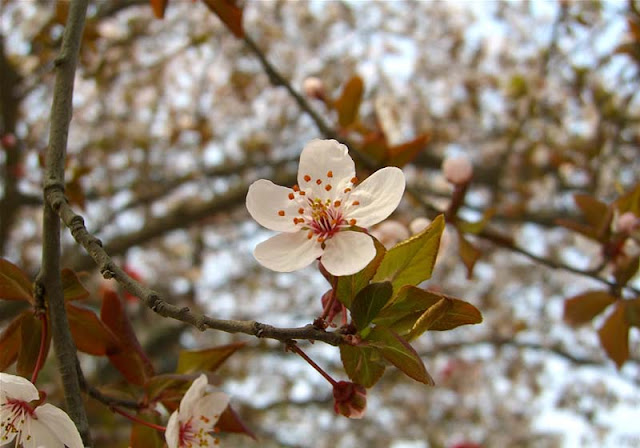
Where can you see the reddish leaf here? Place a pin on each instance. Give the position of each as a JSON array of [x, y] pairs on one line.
[[130, 359], [625, 269], [159, 7], [14, 283], [230, 422], [10, 342], [349, 102], [375, 145], [582, 229], [90, 334], [582, 308], [632, 308], [191, 361], [30, 335], [72, 288], [593, 210], [402, 154], [614, 335], [156, 386], [230, 14]]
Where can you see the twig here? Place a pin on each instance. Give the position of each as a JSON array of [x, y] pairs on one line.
[[48, 281]]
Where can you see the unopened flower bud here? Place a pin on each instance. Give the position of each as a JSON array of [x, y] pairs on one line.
[[8, 141], [350, 399], [314, 88], [457, 170], [390, 232], [627, 223], [419, 224]]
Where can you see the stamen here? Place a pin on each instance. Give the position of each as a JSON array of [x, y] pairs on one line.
[[356, 202], [296, 188], [352, 222], [347, 190], [328, 187], [281, 212], [319, 181], [330, 174], [310, 235], [354, 180], [301, 210], [337, 204], [302, 193], [291, 196], [307, 178]]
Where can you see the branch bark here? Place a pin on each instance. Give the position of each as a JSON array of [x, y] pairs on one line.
[[48, 281]]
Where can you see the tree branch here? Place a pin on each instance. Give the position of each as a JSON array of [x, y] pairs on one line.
[[48, 281]]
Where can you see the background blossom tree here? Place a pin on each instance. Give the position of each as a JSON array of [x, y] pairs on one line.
[[179, 107]]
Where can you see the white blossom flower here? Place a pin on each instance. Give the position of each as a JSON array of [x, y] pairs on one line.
[[317, 215], [193, 422], [43, 426], [457, 170]]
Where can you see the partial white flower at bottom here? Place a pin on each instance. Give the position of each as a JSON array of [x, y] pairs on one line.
[[193, 422], [44, 426], [317, 215]]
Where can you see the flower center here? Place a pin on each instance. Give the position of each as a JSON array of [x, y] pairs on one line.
[[18, 412], [194, 435]]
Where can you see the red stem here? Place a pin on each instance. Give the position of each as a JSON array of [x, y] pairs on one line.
[[298, 350], [41, 353], [133, 418]]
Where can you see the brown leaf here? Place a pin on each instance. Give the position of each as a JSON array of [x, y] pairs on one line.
[[230, 14], [348, 104], [10, 342], [90, 334], [614, 335], [159, 7], [14, 283], [584, 307], [402, 154]]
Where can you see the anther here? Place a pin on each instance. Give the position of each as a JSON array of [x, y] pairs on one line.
[[352, 222], [337, 204], [330, 174], [310, 235], [291, 196], [318, 181], [307, 178], [356, 202], [301, 210], [281, 212], [354, 180], [328, 187], [302, 193], [347, 190], [296, 188]]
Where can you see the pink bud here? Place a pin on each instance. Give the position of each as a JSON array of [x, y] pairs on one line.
[[350, 399], [628, 222], [457, 170], [8, 140], [314, 88], [390, 232]]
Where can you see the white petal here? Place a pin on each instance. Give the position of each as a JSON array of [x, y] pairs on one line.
[[59, 425], [347, 253], [17, 388], [172, 433], [318, 159], [287, 252], [210, 406], [266, 201], [193, 394], [379, 195]]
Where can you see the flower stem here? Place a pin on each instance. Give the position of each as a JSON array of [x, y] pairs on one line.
[[294, 348], [42, 352], [133, 418]]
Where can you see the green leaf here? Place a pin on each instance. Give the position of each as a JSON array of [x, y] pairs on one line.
[[400, 353], [14, 283], [428, 319], [166, 386], [411, 304], [230, 14], [584, 307], [30, 340], [190, 361], [614, 335], [362, 364], [350, 285], [477, 226], [349, 102], [90, 334], [411, 261], [72, 288], [10, 342], [369, 302]]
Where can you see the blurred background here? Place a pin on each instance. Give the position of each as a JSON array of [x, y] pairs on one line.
[[175, 117]]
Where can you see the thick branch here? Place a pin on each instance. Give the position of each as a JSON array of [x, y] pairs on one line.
[[49, 281]]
